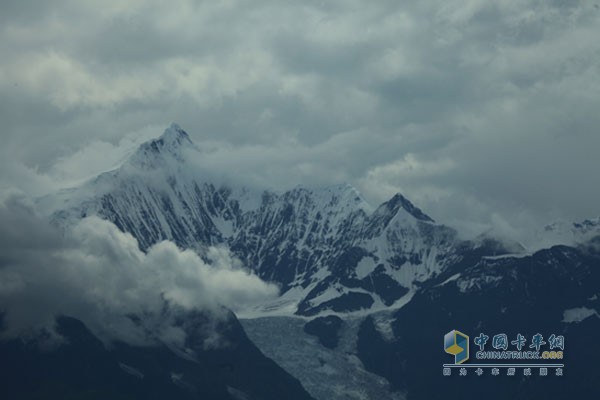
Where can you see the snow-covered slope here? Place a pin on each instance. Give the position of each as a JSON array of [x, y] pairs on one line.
[[328, 249]]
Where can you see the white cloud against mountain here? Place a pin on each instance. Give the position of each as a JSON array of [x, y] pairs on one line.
[[96, 273]]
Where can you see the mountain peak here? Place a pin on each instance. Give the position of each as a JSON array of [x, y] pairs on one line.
[[399, 201], [167, 145], [174, 134]]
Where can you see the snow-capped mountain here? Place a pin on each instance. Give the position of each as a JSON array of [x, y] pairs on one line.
[[398, 280], [327, 249]]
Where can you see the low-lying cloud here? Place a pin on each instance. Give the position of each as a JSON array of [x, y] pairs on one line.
[[96, 273]]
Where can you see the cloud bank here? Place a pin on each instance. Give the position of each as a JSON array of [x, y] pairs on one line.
[[96, 273]]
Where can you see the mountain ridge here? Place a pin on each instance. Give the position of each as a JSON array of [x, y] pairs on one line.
[[381, 269], [326, 248]]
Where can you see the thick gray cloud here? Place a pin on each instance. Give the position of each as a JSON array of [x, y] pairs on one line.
[[483, 113], [97, 273]]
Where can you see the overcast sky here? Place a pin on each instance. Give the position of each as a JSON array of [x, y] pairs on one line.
[[482, 113]]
